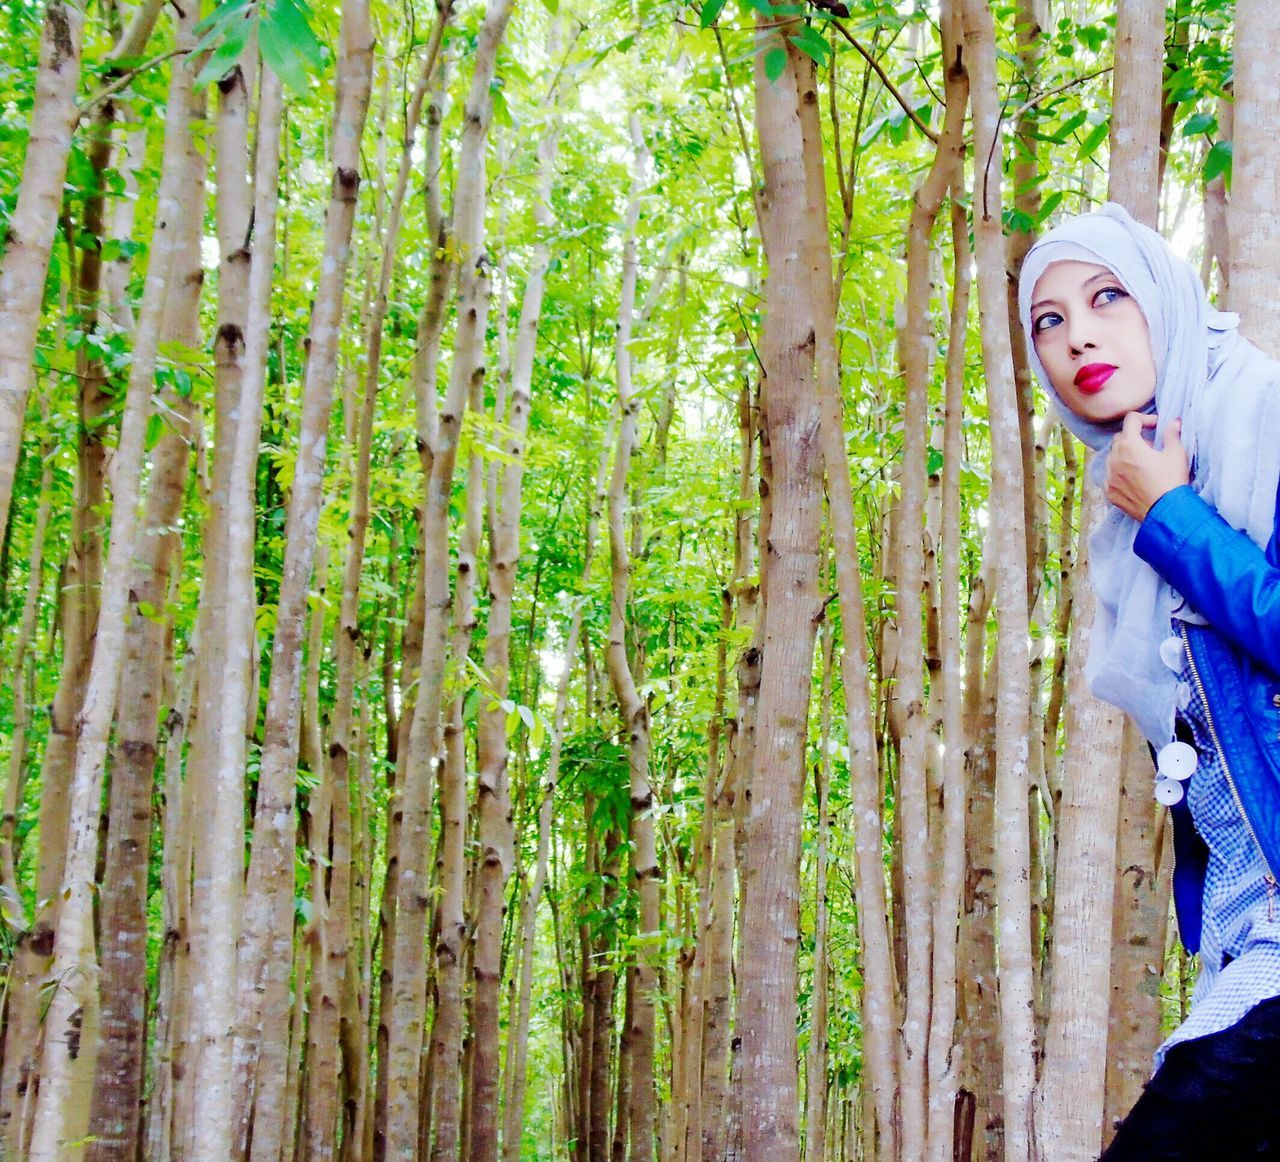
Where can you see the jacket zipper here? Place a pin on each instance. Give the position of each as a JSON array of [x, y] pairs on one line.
[[1270, 876]]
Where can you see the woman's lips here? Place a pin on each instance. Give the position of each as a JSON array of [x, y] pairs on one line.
[[1092, 377]]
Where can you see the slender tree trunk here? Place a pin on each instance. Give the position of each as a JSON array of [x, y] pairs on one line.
[[262, 1006], [71, 1025], [521, 380], [944, 1063], [22, 1016], [167, 1047], [213, 1112], [34, 223], [815, 1118], [770, 913], [1069, 1115], [426, 358], [409, 976], [445, 1057], [639, 1111], [234, 213], [1008, 542], [1072, 1086], [114, 1119]]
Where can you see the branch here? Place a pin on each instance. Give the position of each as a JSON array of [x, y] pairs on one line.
[[124, 78], [742, 131], [888, 84], [1029, 105]]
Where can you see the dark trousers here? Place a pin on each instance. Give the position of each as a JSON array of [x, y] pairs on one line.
[[1214, 1099]]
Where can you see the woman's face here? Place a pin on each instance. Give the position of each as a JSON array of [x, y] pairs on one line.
[[1093, 341]]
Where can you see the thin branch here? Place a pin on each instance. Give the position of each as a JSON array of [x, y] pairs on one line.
[[124, 78], [1029, 105], [888, 84], [747, 331], [742, 131]]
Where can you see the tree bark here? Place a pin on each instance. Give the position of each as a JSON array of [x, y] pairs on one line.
[[770, 912], [521, 381], [114, 1120], [70, 1046], [1008, 542], [214, 983], [264, 954], [1072, 1086], [34, 224], [409, 977], [640, 1030]]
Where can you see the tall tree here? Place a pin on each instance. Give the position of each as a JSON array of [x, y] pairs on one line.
[[34, 224]]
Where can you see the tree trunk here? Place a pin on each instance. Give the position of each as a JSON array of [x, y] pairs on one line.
[[409, 976], [114, 1119], [213, 1111], [521, 380], [639, 1112], [187, 912], [944, 1041], [1008, 542], [770, 913], [445, 1056], [262, 1005], [33, 225], [1072, 1087]]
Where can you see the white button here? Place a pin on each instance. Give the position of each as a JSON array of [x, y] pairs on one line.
[[1177, 761], [1168, 791], [1171, 653], [1183, 697]]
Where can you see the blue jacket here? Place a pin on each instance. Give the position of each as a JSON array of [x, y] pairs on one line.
[[1236, 657]]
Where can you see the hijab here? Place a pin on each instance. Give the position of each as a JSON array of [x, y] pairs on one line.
[[1227, 394]]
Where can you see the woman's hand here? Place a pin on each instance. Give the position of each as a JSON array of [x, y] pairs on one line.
[[1138, 475]]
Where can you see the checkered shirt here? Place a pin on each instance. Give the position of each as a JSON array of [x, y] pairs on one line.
[[1241, 916]]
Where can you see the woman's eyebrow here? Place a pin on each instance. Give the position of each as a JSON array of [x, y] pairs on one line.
[[1101, 276], [1043, 303]]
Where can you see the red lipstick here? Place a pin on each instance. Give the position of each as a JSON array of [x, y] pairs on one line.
[[1092, 377]]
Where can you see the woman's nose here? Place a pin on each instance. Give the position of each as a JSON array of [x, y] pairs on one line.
[[1080, 336]]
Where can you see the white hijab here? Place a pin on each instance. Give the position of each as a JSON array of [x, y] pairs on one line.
[[1226, 392]]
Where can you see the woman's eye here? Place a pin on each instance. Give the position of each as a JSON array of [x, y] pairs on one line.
[[1045, 321], [1110, 294]]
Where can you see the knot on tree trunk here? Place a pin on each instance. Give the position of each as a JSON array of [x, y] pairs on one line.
[[346, 183]]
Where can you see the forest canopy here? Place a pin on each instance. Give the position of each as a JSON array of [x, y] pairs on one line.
[[540, 610]]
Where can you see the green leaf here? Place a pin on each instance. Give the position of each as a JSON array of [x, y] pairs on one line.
[[218, 16], [1069, 126], [281, 57], [155, 429], [813, 44], [775, 60], [1097, 135], [290, 17], [1218, 163], [1050, 204], [710, 10], [224, 57], [1200, 123]]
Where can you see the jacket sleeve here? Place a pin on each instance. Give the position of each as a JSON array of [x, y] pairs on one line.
[[1219, 570]]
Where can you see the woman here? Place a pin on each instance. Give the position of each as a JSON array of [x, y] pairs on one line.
[[1184, 417]]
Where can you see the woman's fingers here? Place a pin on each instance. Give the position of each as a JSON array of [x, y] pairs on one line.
[[1137, 474]]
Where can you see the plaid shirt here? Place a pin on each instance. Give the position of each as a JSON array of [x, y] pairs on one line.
[[1241, 912]]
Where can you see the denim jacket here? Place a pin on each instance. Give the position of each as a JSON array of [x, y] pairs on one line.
[[1236, 658]]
